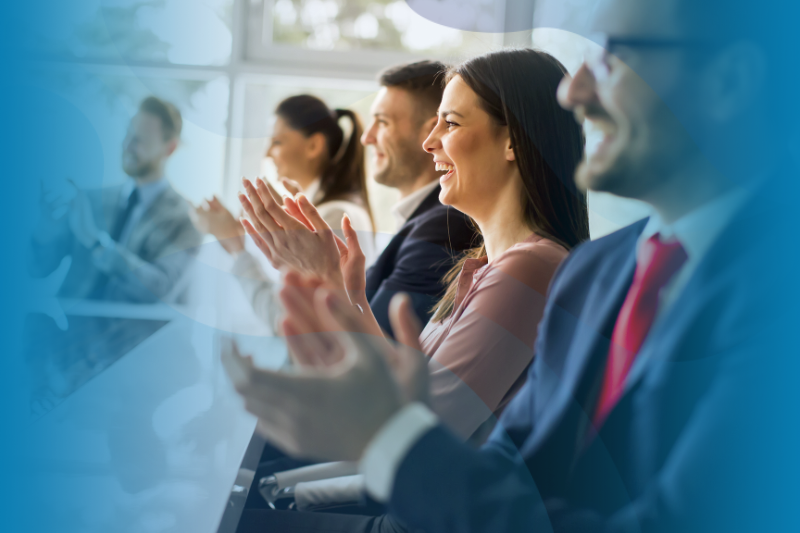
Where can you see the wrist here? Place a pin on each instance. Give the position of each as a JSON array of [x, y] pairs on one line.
[[358, 297], [233, 245], [389, 446]]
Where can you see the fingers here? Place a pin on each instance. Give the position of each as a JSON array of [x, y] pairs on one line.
[[295, 279], [307, 349], [215, 205], [337, 314], [272, 203], [299, 305], [340, 244], [404, 321], [352, 237], [313, 216], [291, 186], [250, 211], [256, 208], [260, 239], [294, 210]]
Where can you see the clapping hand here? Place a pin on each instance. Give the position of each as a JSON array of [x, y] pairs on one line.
[[81, 219], [53, 208], [212, 217], [294, 235], [331, 411]]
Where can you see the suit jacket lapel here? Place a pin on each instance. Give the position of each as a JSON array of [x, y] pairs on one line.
[[375, 274], [670, 327], [432, 200], [150, 221], [591, 338]]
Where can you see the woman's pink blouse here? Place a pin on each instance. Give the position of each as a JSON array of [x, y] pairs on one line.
[[480, 354]]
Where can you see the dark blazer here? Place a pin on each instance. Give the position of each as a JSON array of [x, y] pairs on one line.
[[701, 439], [417, 258]]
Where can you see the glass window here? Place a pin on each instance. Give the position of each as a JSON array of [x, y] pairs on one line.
[[388, 25], [192, 32]]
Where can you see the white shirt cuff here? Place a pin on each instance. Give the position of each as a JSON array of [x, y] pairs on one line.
[[389, 447]]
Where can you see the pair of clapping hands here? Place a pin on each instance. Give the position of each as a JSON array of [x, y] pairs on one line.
[[348, 379]]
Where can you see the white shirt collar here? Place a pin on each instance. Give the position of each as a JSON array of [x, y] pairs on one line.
[[312, 191], [147, 192], [698, 229], [403, 209]]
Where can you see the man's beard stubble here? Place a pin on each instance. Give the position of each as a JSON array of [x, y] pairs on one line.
[[405, 167], [140, 169]]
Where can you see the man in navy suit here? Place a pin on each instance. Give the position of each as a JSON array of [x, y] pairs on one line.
[[663, 394], [430, 234]]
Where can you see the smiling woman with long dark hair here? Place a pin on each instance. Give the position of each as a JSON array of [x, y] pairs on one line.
[[508, 153]]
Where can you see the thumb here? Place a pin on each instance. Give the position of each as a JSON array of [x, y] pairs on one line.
[[404, 321], [410, 363]]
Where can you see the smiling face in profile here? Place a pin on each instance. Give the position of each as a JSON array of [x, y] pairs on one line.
[[471, 150]]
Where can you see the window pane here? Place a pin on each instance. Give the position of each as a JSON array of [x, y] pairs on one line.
[[192, 32], [368, 24]]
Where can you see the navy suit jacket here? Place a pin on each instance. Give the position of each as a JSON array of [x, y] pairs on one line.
[[417, 258], [705, 438]]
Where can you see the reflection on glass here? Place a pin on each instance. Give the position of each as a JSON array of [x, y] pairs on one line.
[[60, 362], [192, 32]]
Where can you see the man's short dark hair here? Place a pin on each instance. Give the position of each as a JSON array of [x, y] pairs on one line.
[[171, 121], [423, 79]]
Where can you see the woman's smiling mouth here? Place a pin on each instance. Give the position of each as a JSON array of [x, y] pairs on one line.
[[444, 167]]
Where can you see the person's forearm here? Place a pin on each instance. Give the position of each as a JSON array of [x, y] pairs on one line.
[[132, 273]]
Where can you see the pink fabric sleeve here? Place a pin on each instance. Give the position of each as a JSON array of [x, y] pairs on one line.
[[490, 343]]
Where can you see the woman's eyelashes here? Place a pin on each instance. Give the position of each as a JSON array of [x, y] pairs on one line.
[[450, 124]]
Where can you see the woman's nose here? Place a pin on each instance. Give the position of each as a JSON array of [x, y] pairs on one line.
[[434, 140]]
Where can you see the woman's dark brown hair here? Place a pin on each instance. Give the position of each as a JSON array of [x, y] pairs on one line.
[[517, 88], [345, 174]]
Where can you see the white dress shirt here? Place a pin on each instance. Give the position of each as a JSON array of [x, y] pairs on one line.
[[147, 195], [696, 231], [403, 209]]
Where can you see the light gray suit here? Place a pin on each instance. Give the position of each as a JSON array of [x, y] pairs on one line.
[[147, 268]]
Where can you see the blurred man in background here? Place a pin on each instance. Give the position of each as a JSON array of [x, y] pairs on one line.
[[132, 242]]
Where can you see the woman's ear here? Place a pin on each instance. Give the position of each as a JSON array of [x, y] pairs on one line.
[[510, 155], [316, 146]]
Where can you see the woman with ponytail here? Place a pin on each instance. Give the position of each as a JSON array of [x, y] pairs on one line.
[[314, 155], [310, 148]]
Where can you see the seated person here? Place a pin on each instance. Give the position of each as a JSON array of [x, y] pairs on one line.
[[311, 153], [133, 242], [663, 390], [480, 339]]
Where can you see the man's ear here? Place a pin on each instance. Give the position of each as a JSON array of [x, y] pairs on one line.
[[732, 81], [171, 147]]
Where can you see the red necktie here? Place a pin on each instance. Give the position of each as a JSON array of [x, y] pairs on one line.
[[658, 262]]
